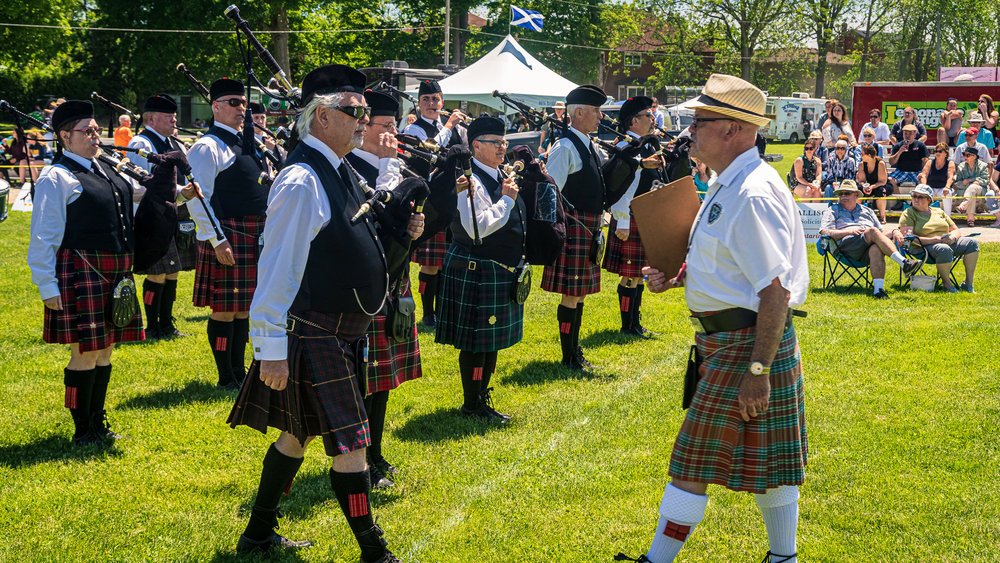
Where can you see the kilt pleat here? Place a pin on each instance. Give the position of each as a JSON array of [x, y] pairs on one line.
[[624, 257], [390, 362], [431, 252], [228, 289], [475, 312], [715, 445], [86, 299], [573, 273], [321, 397], [169, 264]]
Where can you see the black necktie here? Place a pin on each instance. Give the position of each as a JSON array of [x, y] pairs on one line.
[[345, 174], [97, 169]]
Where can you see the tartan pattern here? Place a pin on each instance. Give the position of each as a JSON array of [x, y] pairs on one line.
[[70, 400], [714, 445], [431, 252], [676, 531], [391, 363], [321, 397], [475, 312], [573, 273], [228, 289], [357, 504], [86, 299], [624, 257], [169, 264]]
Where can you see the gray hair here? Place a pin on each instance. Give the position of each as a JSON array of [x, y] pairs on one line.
[[571, 109], [123, 118], [304, 122]]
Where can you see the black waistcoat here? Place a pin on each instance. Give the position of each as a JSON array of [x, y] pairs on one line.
[[363, 167], [101, 218], [346, 270], [456, 139], [585, 188], [237, 192], [161, 147], [648, 176], [505, 245]]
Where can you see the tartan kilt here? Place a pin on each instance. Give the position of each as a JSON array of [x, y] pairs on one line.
[[715, 445], [169, 264], [475, 311], [228, 289], [573, 273], [624, 257], [86, 299], [391, 362], [431, 252], [321, 397]]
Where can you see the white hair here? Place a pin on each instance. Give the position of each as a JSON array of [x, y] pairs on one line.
[[304, 122], [123, 118], [571, 109]]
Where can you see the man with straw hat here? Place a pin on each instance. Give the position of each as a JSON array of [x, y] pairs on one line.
[[746, 267]]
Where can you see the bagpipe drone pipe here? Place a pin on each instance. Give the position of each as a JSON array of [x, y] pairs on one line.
[[545, 239]]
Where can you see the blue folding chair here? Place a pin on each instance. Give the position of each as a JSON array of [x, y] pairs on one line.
[[912, 249], [837, 265]]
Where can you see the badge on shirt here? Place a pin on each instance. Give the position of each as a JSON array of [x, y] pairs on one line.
[[714, 213]]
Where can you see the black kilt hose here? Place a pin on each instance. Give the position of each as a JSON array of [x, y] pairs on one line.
[[322, 397], [573, 273], [229, 289], [431, 252], [624, 257], [476, 313], [391, 362], [86, 300]]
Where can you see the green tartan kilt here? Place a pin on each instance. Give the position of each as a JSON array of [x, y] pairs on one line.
[[475, 312]]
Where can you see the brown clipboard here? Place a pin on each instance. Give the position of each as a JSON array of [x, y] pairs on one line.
[[664, 217]]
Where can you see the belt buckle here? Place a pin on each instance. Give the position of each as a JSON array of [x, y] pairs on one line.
[[290, 325], [696, 323], [472, 265]]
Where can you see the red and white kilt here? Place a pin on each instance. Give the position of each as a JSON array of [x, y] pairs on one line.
[[391, 362], [573, 273], [431, 252], [228, 289], [86, 300], [624, 257]]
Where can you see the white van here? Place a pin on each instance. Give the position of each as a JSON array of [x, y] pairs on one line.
[[794, 117]]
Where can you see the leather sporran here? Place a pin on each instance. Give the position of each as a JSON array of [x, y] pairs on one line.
[[521, 286], [186, 234], [400, 317], [124, 303], [597, 246]]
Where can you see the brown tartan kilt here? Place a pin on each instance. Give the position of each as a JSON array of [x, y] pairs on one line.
[[321, 397], [431, 252], [624, 257], [573, 273], [86, 299], [390, 362], [228, 289]]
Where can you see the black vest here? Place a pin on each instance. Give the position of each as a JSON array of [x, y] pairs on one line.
[[101, 218], [505, 245], [648, 176], [456, 139], [161, 147], [364, 168], [237, 190], [346, 270], [584, 188]]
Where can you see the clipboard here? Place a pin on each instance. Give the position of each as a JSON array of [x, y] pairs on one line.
[[664, 217]]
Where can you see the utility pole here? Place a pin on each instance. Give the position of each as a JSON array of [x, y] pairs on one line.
[[447, 28]]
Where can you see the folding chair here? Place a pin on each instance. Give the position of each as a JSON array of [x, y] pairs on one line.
[[912, 249], [837, 265]]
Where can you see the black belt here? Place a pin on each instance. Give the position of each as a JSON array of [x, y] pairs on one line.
[[472, 264], [736, 318]]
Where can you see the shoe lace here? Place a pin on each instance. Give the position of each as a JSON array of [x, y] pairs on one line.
[[622, 557], [487, 398], [770, 557]]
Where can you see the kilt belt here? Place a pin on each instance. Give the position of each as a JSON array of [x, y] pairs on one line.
[[736, 318]]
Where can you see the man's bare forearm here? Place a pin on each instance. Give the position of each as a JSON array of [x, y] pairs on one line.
[[771, 318]]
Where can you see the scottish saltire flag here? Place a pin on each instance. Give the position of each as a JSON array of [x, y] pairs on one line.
[[528, 19]]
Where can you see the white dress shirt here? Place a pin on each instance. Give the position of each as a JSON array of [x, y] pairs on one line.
[[297, 210], [141, 142], [959, 156], [208, 157], [389, 175], [620, 210], [443, 133], [747, 233], [490, 216], [564, 159]]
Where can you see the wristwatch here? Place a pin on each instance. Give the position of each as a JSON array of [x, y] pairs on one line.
[[757, 368]]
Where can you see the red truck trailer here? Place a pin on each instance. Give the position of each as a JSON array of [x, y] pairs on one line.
[[927, 98]]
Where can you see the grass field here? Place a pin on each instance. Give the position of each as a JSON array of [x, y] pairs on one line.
[[902, 409]]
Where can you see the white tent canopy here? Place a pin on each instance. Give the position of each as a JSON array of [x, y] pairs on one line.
[[509, 69]]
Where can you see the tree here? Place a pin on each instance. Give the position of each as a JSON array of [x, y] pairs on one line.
[[823, 17]]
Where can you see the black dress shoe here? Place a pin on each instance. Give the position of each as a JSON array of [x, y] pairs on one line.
[[583, 361], [88, 439], [228, 385], [171, 332], [385, 467], [387, 557], [487, 403], [622, 557], [429, 320], [574, 364], [246, 545], [99, 427], [377, 479]]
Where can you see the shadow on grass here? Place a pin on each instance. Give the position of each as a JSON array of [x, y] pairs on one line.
[[197, 319], [441, 425], [51, 448], [192, 392], [605, 337], [289, 554], [538, 372]]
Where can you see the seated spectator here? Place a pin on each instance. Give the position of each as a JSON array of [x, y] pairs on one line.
[[836, 125], [873, 178], [951, 122], [939, 174], [807, 171], [124, 132], [908, 157], [859, 236], [909, 118], [880, 128], [867, 139], [971, 134], [838, 167], [821, 151], [990, 118], [973, 176], [985, 137], [939, 237]]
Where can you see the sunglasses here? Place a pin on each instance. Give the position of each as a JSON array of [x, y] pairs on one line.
[[940, 152], [234, 102], [868, 135], [872, 116], [90, 132], [841, 148], [356, 112]]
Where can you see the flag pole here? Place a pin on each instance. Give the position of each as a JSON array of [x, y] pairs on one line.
[[511, 19]]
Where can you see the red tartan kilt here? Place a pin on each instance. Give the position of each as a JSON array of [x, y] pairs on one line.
[[573, 273], [228, 289], [624, 257], [390, 362], [431, 252], [321, 397], [86, 299]]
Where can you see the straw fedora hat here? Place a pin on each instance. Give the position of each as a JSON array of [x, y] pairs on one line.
[[734, 97]]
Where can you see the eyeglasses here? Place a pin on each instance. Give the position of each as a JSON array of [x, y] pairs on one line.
[[234, 102], [90, 131], [940, 152], [696, 122], [647, 114], [356, 112], [502, 143], [389, 125], [874, 115], [841, 148], [867, 135]]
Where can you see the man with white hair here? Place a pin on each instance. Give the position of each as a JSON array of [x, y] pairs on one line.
[[124, 131], [839, 166]]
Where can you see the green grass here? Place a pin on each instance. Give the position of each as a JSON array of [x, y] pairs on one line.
[[902, 413]]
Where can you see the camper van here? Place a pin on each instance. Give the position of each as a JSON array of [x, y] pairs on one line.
[[794, 117]]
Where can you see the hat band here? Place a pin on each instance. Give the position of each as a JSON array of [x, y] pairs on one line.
[[710, 101]]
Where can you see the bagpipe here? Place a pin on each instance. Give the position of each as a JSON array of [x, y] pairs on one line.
[[545, 214]]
